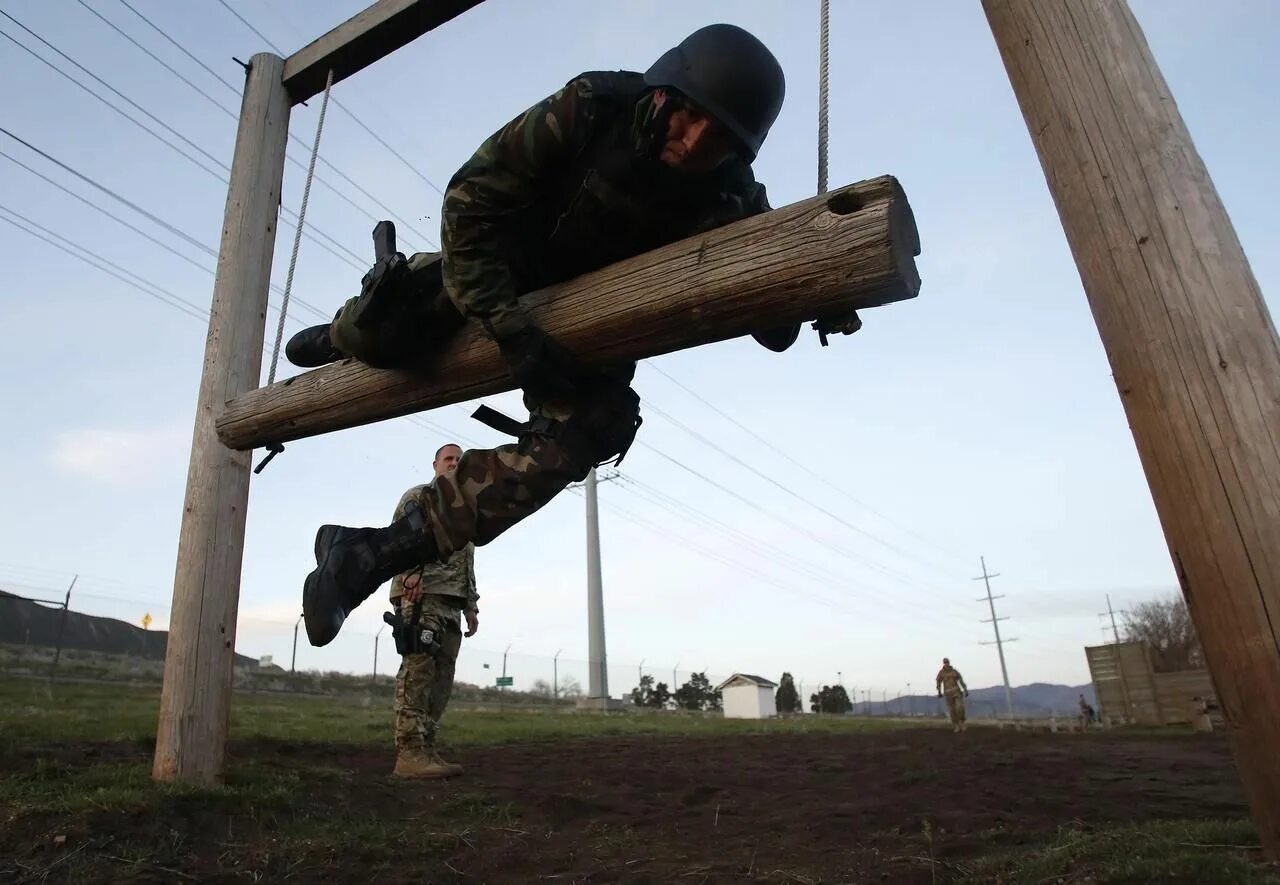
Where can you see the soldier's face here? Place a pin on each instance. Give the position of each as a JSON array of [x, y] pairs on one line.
[[696, 142], [447, 460]]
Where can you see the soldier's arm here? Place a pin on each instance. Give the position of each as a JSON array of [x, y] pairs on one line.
[[960, 682], [473, 596], [755, 202], [505, 175]]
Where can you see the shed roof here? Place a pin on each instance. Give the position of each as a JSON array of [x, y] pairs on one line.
[[747, 679]]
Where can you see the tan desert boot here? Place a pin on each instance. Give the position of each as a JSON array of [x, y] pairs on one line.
[[424, 764]]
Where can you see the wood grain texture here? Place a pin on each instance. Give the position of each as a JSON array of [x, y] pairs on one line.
[[1192, 347], [850, 248], [363, 39], [196, 699]]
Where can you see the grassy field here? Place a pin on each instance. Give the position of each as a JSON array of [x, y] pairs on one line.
[[596, 798]]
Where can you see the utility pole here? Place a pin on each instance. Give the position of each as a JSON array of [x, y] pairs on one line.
[[376, 637], [597, 664], [502, 687], [62, 625], [1115, 632], [293, 658], [995, 625], [555, 679], [1187, 333], [675, 679], [640, 671]]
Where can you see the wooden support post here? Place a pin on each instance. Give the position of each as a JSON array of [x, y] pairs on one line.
[[196, 700], [851, 248], [363, 39], [1193, 350]]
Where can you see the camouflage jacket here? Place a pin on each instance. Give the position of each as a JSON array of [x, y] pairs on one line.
[[950, 680], [568, 187], [455, 578]]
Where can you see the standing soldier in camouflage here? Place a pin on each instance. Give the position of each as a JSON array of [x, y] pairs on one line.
[[951, 687], [431, 600], [613, 165]]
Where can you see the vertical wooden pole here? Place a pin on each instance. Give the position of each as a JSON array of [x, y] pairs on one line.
[[1193, 350], [196, 700]]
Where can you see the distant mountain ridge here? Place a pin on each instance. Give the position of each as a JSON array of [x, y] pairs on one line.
[[1036, 699], [23, 622]]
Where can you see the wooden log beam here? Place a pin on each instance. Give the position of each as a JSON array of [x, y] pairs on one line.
[[195, 703], [364, 38], [1193, 349], [850, 248]]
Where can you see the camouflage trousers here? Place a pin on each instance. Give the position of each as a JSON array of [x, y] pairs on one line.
[[413, 328], [425, 682], [955, 707], [493, 489]]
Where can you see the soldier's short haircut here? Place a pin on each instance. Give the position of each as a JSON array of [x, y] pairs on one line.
[[442, 448]]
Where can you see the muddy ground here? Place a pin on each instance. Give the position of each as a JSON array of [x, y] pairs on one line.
[[905, 806]]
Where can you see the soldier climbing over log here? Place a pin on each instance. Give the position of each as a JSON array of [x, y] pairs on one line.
[[612, 165]]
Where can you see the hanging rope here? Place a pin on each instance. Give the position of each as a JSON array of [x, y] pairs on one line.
[[297, 233], [276, 448], [824, 34]]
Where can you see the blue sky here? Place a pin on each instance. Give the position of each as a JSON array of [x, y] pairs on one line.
[[979, 419]]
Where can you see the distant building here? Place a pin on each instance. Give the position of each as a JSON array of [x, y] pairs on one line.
[[747, 697]]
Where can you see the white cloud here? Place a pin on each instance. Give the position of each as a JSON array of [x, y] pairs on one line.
[[121, 456]]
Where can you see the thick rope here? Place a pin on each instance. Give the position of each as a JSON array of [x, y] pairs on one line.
[[297, 232], [824, 31]]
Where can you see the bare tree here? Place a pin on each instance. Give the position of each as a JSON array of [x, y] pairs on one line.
[[570, 688], [1164, 626]]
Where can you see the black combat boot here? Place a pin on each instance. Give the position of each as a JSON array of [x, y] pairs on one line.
[[352, 563], [312, 347]]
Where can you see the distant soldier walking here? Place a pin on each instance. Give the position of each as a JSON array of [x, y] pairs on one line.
[[951, 687], [1087, 716]]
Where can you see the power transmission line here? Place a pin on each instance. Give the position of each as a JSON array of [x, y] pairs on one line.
[[204, 248], [792, 525], [826, 480], [750, 544], [108, 267], [778, 485], [232, 114], [376, 137], [150, 288], [357, 263]]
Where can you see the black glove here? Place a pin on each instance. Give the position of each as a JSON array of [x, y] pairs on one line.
[[843, 324], [540, 365], [966, 692]]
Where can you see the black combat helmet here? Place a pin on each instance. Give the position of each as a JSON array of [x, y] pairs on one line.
[[729, 73]]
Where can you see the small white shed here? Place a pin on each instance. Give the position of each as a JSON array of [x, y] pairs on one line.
[[747, 697]]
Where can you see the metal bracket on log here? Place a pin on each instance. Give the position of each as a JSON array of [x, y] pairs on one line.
[[844, 250]]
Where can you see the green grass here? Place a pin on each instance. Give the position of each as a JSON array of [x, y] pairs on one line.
[[77, 761], [1181, 851], [31, 711]]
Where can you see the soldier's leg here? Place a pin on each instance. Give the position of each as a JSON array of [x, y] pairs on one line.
[[400, 318], [490, 491], [413, 693], [442, 683], [960, 711]]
